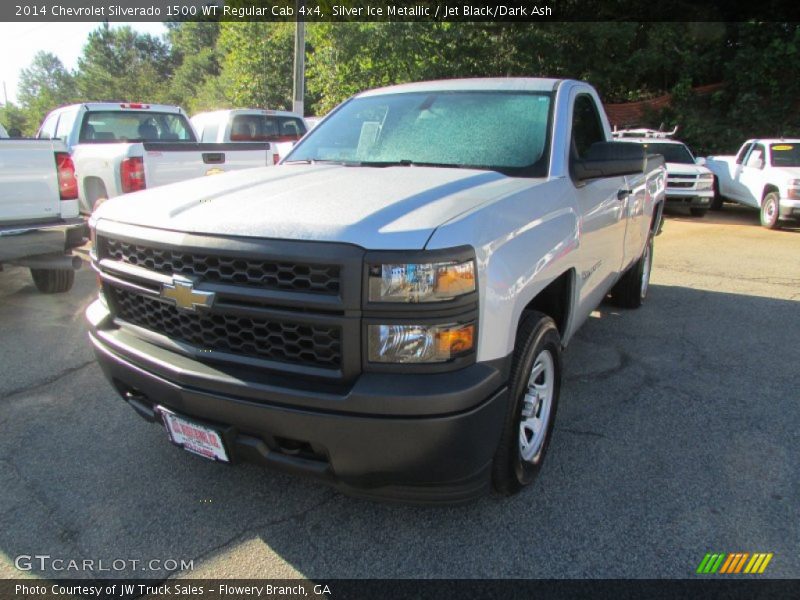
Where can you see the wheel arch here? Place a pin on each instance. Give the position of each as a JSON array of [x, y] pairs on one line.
[[769, 188], [94, 188], [555, 300]]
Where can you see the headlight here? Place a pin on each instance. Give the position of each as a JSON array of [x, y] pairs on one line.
[[426, 282], [705, 182], [419, 343]]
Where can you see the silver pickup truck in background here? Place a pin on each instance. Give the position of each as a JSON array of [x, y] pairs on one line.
[[386, 309], [39, 222], [280, 128], [120, 148]]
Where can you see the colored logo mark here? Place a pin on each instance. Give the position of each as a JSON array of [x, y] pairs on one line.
[[734, 562]]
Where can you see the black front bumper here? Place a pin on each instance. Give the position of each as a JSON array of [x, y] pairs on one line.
[[408, 437]]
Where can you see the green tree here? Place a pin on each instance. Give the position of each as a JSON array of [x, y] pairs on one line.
[[256, 66], [122, 65], [193, 47], [13, 117], [43, 86]]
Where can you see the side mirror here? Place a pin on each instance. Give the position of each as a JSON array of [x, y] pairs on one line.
[[610, 159], [700, 161]]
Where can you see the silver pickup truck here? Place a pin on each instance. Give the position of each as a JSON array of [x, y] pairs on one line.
[[39, 223], [385, 310]]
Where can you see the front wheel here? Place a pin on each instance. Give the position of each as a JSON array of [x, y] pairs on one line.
[[770, 209], [534, 387]]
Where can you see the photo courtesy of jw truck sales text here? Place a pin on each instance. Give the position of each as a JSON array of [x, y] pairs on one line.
[[375, 299]]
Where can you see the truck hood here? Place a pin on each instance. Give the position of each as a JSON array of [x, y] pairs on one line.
[[377, 208], [684, 169]]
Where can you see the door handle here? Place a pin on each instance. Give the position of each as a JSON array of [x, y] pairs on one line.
[[623, 193]]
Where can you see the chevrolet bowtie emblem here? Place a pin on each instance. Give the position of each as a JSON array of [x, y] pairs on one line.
[[185, 297]]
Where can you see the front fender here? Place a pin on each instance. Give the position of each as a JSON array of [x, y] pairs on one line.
[[523, 242]]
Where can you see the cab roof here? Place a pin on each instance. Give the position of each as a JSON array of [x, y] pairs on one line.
[[500, 84]]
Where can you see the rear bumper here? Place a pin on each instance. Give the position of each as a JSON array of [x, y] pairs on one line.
[[396, 451], [38, 239]]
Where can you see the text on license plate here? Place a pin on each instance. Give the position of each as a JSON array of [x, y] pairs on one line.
[[193, 437]]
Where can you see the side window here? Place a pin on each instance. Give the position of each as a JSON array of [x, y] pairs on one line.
[[743, 153], [587, 128], [48, 129], [755, 159], [65, 125]]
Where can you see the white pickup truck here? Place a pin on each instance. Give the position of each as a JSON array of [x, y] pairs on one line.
[[39, 222], [764, 174], [386, 309], [126, 147], [281, 128], [689, 183]]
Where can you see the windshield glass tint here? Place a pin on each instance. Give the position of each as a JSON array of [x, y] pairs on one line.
[[673, 153], [266, 128], [785, 155], [492, 130], [133, 126]]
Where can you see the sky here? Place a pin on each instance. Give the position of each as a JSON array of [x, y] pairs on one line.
[[19, 43]]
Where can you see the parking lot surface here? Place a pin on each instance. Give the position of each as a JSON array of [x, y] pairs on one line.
[[677, 435]]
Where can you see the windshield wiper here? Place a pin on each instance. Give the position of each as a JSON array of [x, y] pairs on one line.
[[316, 161], [414, 163]]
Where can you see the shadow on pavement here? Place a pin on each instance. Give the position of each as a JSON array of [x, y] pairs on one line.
[[676, 434]]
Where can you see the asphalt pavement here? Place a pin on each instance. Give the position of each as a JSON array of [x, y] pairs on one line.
[[677, 435]]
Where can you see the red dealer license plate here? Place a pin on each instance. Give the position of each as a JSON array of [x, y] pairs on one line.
[[192, 436]]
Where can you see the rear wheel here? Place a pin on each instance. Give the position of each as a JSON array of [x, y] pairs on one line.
[[53, 281], [534, 388], [631, 290], [770, 208]]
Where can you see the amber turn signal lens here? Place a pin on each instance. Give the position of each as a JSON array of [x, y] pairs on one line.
[[451, 342]]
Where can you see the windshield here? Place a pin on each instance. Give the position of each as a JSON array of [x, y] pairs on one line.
[[502, 131], [672, 153], [785, 155], [135, 126], [266, 128]]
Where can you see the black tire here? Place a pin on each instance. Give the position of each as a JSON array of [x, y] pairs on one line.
[[537, 336], [698, 212], [717, 200], [770, 211], [52, 281], [631, 290]]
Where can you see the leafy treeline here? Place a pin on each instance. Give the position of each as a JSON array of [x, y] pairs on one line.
[[212, 65]]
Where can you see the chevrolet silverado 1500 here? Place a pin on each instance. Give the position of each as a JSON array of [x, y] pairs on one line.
[[126, 147], [764, 174], [386, 309], [39, 223]]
